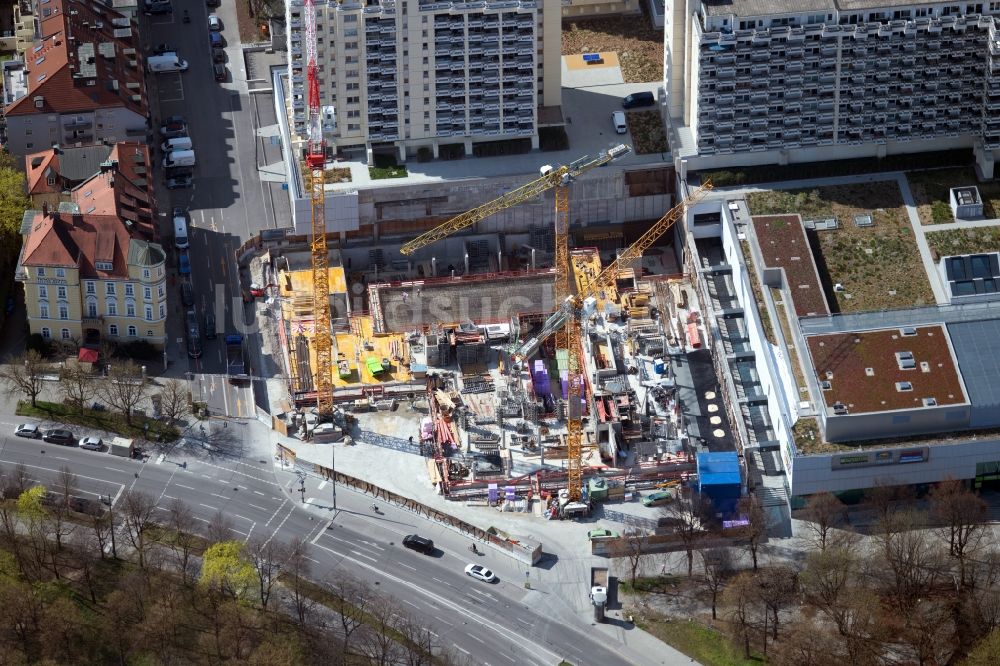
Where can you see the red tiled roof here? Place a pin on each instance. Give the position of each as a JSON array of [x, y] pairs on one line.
[[78, 240], [73, 66], [47, 164], [125, 191]]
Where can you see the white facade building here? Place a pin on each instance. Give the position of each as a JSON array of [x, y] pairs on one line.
[[773, 81], [413, 74]]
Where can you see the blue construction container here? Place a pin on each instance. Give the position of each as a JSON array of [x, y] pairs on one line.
[[720, 480]]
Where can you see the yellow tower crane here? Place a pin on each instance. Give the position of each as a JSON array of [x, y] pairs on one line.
[[564, 323]]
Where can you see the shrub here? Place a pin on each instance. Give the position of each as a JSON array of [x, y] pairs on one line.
[[424, 154], [140, 350], [941, 213], [553, 138], [39, 344]]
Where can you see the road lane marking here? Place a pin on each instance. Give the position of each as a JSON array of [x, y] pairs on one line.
[[475, 638], [407, 566], [512, 660], [180, 485], [311, 559], [236, 515], [461, 649], [225, 497], [245, 534], [259, 493], [406, 601], [364, 556], [281, 524], [160, 458], [274, 514], [259, 508], [204, 520], [322, 485], [207, 506]]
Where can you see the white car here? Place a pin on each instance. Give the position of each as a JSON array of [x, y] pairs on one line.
[[92, 443], [214, 23], [29, 430], [479, 572]]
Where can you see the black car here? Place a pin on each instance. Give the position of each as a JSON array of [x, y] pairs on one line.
[[173, 126], [636, 100], [218, 54], [160, 49], [179, 182], [187, 294], [419, 543], [210, 326], [193, 335], [59, 436], [220, 72]]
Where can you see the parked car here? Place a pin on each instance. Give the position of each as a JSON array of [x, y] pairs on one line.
[[213, 3], [618, 120], [479, 572], [216, 40], [92, 443], [193, 335], [183, 264], [218, 54], [419, 543], [210, 325], [160, 49], [29, 430], [220, 72], [173, 126], [187, 294], [59, 436], [636, 100], [180, 182], [601, 534], [214, 23], [653, 499]]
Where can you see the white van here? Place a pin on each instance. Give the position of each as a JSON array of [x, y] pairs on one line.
[[180, 232], [618, 120], [166, 62], [177, 143], [178, 158]]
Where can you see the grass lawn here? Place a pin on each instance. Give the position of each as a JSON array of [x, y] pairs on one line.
[[704, 644], [648, 135], [644, 584], [110, 421], [379, 173], [639, 46], [931, 193], [964, 241], [879, 266]]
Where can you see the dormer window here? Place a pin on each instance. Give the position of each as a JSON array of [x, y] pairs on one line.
[[41, 272], [51, 180], [105, 266]]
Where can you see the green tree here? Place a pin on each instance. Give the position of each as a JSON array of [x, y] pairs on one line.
[[986, 651], [29, 503], [13, 202], [225, 568]]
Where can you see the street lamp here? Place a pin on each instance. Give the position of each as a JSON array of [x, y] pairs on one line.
[[333, 475]]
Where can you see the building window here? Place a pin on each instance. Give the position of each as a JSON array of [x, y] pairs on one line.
[[43, 310], [109, 288], [149, 333], [61, 292], [46, 333], [147, 293], [60, 272], [92, 310], [159, 291], [91, 288], [63, 312], [65, 334], [129, 291], [163, 310], [132, 332], [41, 272], [112, 309], [145, 273], [130, 309], [43, 292], [149, 313], [113, 330]]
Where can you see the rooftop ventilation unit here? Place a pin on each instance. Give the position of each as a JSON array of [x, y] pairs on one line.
[[904, 386], [930, 402], [907, 331], [905, 360]]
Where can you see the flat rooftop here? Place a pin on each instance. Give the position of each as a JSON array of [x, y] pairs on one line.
[[771, 7], [888, 369], [783, 244]]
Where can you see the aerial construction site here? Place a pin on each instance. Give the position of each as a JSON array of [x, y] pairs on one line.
[[520, 366]]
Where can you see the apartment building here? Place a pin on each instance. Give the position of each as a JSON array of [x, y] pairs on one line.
[[775, 81], [84, 80], [407, 75], [88, 277]]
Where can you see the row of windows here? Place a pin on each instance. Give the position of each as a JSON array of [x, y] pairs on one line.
[[147, 292], [61, 273], [132, 332], [112, 310]]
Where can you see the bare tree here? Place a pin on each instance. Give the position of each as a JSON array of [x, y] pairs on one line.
[[754, 533], [964, 516], [17, 481], [778, 585], [379, 644], [826, 579], [103, 529], [24, 375], [66, 484], [685, 517], [632, 552], [76, 386], [351, 603], [912, 564], [125, 388], [297, 571], [175, 400], [823, 514], [183, 540], [718, 566], [220, 528], [885, 499], [267, 557], [739, 599], [137, 512]]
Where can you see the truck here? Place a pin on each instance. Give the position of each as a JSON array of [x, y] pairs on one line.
[[235, 364], [166, 62], [599, 591], [122, 446]]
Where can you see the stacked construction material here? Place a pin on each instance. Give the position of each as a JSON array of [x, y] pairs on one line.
[[438, 350], [540, 379]]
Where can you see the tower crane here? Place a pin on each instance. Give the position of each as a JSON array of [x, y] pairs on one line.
[[316, 161], [565, 324]]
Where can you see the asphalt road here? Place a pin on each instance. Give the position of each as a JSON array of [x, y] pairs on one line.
[[493, 624]]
